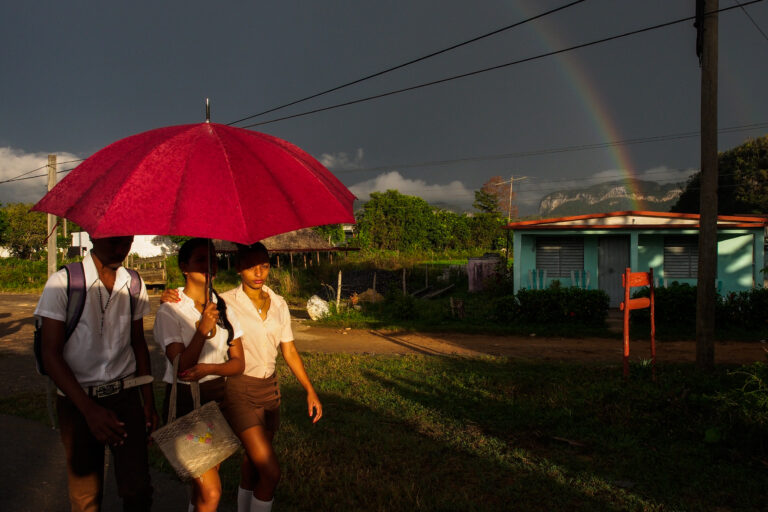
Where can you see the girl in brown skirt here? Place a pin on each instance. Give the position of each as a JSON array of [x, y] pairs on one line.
[[208, 340], [253, 399]]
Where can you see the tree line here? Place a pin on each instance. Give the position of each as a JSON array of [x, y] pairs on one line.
[[388, 221], [742, 183]]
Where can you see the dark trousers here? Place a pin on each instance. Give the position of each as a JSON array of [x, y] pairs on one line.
[[85, 455]]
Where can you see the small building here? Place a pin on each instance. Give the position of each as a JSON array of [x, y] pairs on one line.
[[306, 244], [593, 251]]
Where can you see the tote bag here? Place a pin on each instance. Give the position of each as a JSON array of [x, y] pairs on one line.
[[197, 441]]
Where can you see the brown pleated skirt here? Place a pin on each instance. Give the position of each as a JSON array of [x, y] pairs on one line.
[[251, 401]]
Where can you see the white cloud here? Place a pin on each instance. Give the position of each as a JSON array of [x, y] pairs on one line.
[[343, 160], [452, 193], [14, 162], [664, 174]]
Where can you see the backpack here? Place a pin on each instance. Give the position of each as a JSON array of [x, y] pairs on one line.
[[76, 303]]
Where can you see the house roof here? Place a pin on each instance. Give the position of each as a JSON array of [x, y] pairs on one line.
[[637, 220], [302, 240]]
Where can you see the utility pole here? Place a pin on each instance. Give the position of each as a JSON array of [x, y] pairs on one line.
[[51, 218], [511, 182], [706, 48]]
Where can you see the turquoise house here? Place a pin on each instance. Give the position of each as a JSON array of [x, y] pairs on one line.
[[592, 251]]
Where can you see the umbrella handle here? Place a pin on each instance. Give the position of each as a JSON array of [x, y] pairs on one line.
[[208, 279]]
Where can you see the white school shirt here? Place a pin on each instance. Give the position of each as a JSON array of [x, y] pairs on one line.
[[261, 338], [175, 323], [96, 357]]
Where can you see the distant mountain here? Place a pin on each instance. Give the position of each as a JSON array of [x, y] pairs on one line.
[[610, 197]]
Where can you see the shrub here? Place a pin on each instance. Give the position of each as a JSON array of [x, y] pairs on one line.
[[737, 313], [675, 308], [748, 310], [744, 407], [18, 274], [558, 305]]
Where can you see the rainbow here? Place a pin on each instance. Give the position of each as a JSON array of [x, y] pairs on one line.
[[587, 90]]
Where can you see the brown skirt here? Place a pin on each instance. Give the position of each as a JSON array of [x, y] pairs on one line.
[[251, 401], [209, 390]]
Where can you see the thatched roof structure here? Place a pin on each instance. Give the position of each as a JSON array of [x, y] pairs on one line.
[[303, 240]]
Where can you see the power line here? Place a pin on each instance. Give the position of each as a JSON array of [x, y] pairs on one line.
[[751, 19], [413, 61], [41, 167], [503, 156], [32, 177], [493, 68], [555, 150]]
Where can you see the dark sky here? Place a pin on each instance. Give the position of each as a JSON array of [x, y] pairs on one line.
[[79, 75]]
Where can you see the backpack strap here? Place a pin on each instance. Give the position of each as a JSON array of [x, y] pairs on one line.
[[135, 289], [75, 296]]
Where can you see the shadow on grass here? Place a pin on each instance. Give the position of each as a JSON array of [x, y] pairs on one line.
[[604, 436], [358, 458]]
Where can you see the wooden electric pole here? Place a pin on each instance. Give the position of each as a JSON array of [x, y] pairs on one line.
[[511, 182], [706, 48], [51, 218]]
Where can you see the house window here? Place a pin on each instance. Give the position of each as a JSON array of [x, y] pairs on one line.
[[559, 255], [681, 257]]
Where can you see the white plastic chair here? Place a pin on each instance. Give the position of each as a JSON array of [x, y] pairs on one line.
[[537, 278], [580, 279]]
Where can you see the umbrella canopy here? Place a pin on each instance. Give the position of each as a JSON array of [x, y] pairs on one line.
[[208, 180]]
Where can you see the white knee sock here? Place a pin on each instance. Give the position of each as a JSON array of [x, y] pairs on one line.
[[244, 500], [260, 506]]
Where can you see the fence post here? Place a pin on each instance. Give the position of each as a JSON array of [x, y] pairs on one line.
[[338, 292]]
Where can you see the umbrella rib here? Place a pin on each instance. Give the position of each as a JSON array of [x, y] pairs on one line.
[[300, 154], [140, 164], [96, 183], [288, 199], [179, 197], [232, 179]]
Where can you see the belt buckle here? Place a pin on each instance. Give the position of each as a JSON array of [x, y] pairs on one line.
[[108, 389]]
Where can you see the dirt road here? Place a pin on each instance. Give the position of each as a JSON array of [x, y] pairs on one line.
[[17, 372]]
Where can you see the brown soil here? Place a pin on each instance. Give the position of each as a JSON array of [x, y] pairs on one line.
[[17, 373]]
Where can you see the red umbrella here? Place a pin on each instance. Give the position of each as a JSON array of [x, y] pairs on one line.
[[208, 180]]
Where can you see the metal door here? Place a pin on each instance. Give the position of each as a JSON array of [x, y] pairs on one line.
[[612, 261]]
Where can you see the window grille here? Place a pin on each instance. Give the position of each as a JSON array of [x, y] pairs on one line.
[[681, 257], [559, 255]]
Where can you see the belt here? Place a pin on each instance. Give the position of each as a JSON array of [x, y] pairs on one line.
[[115, 386]]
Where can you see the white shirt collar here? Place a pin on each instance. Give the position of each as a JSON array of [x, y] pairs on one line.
[[240, 294], [92, 275]]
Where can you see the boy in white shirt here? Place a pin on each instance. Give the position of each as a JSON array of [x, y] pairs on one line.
[[96, 371]]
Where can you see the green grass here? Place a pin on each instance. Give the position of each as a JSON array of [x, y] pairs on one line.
[[19, 275], [440, 433]]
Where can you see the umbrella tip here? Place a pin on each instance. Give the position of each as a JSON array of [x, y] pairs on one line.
[[207, 111]]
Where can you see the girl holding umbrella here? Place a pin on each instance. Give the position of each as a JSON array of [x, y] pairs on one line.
[[206, 338], [252, 399]]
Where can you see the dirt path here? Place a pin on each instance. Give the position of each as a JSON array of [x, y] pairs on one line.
[[17, 374]]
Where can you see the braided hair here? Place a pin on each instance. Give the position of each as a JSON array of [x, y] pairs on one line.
[[185, 254]]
